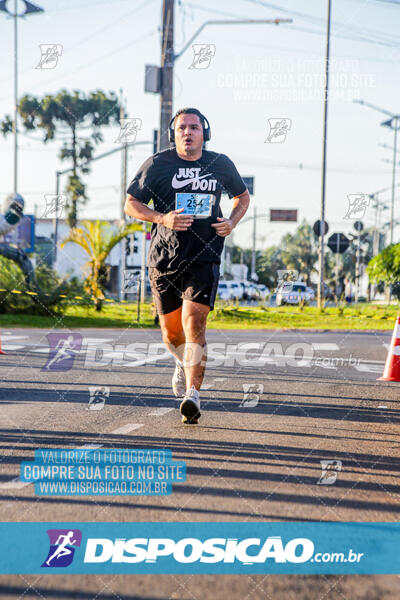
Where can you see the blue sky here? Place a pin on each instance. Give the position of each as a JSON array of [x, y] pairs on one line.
[[259, 72]]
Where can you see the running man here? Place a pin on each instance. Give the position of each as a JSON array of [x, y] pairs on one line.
[[187, 238], [64, 350], [62, 549]]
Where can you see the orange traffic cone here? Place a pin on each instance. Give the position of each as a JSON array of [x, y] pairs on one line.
[[392, 366], [1, 351]]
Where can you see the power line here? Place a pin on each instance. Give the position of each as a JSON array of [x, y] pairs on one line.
[[318, 21], [89, 64]]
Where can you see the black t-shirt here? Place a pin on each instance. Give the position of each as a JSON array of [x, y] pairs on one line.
[[164, 175]]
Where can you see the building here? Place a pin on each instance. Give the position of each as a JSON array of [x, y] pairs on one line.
[[71, 259]]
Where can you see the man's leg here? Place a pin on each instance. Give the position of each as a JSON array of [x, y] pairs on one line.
[[194, 320], [172, 332]]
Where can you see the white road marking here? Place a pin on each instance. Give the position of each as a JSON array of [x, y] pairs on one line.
[[163, 410], [89, 447], [15, 337], [368, 368], [11, 347], [13, 484], [91, 340], [127, 428], [324, 346]]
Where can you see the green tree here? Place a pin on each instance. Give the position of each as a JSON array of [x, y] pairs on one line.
[[97, 239], [77, 117], [385, 266], [268, 265], [300, 251]]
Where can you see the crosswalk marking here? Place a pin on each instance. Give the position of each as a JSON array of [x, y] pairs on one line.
[[127, 428], [163, 410]]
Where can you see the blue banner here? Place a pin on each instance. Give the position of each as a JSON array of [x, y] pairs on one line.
[[155, 548]]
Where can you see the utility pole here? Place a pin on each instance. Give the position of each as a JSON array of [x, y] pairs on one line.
[[357, 268], [28, 8], [395, 122], [15, 124], [167, 72], [392, 123], [321, 291], [124, 167], [168, 58], [253, 253]]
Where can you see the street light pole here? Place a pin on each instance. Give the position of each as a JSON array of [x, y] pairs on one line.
[[321, 290], [15, 126], [30, 8], [168, 59], [167, 72], [396, 122], [392, 123]]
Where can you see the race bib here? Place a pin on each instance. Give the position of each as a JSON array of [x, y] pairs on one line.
[[198, 205]]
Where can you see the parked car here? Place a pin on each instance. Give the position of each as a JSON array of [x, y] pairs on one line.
[[263, 291], [311, 292], [253, 293], [236, 290], [224, 291], [292, 293]]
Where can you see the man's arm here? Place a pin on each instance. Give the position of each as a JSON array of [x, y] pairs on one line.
[[240, 206], [173, 219]]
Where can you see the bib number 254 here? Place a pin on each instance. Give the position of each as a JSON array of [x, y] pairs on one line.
[[198, 205]]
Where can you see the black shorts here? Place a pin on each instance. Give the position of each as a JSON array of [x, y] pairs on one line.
[[197, 282]]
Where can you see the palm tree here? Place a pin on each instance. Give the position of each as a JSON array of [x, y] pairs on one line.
[[97, 239]]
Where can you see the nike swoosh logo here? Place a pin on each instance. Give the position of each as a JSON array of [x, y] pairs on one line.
[[179, 183]]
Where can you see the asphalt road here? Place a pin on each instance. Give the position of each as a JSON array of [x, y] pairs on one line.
[[254, 456]]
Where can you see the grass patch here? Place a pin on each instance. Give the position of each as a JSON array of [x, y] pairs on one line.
[[361, 317], [76, 317]]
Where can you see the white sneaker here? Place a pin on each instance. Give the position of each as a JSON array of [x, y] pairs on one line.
[[179, 380], [190, 407]]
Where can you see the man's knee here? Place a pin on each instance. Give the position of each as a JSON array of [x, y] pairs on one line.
[[172, 337], [195, 324]]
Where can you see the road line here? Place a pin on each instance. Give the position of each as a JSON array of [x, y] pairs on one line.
[[163, 410], [324, 346], [368, 368], [127, 428], [91, 340], [11, 347]]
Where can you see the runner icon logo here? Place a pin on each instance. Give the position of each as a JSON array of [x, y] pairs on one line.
[[358, 204], [62, 547], [63, 349], [251, 394], [98, 396], [278, 129], [330, 469], [203, 54], [50, 53]]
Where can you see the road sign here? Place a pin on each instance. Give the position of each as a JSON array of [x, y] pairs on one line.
[[249, 183], [283, 215], [317, 227], [338, 243], [358, 225]]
